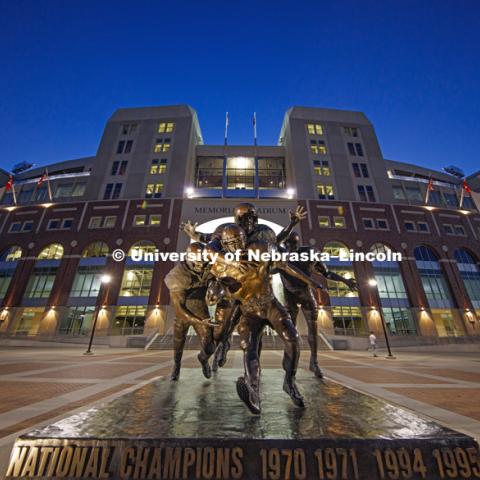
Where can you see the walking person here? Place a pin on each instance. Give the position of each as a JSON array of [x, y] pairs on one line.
[[372, 340]]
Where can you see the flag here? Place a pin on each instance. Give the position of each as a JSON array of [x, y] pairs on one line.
[[9, 184], [226, 127], [429, 189], [42, 179], [465, 189], [255, 128]]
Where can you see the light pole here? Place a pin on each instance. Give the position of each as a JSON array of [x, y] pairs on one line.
[[104, 281], [373, 283]]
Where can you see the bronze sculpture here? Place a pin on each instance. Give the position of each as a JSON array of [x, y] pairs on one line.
[[297, 293]]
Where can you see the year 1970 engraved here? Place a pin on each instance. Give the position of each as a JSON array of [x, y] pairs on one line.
[[283, 464], [399, 463]]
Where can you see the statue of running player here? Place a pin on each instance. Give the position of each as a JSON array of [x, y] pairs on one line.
[[297, 293], [245, 216], [251, 287], [187, 282]]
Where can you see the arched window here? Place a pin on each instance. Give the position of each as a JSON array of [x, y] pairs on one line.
[[437, 291], [393, 294], [138, 273], [11, 254], [8, 263], [470, 273], [41, 280], [338, 263], [95, 249], [54, 251]]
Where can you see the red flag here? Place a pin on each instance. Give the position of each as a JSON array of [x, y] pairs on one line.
[[466, 187], [430, 185], [42, 179], [9, 184]]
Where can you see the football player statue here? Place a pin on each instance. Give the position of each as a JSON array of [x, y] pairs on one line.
[[297, 293]]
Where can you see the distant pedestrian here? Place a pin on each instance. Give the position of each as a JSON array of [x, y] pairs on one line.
[[372, 341]]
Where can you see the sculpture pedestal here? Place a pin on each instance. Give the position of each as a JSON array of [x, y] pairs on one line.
[[199, 429]]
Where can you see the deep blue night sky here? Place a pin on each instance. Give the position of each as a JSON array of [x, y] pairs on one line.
[[412, 66]]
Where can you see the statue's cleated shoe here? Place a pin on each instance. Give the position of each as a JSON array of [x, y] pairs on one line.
[[248, 396], [222, 355], [175, 375], [207, 371], [291, 389], [316, 369]]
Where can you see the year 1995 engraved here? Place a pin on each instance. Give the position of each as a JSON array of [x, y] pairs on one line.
[[457, 462], [280, 464]]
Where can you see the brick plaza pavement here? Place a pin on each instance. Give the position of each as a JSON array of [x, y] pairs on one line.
[[40, 385]]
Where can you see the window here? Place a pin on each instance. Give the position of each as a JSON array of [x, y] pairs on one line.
[[79, 190], [398, 193], [11, 254], [25, 195], [324, 222], [382, 224], [95, 249], [147, 220], [59, 224], [321, 167], [348, 321], [339, 289], [423, 227], [351, 131], [325, 192], [112, 191], [124, 146], [119, 168], [5, 280], [158, 166], [435, 198], [87, 281], [318, 147], [451, 199], [139, 220], [54, 251], [410, 226], [53, 224], [339, 222], [63, 191], [17, 227], [355, 149], [78, 321], [129, 128], [40, 283], [129, 320], [468, 203], [102, 222], [470, 273], [162, 145], [414, 194], [360, 170], [27, 226], [368, 223], [155, 220], [314, 129], [448, 228], [136, 281], [154, 190], [459, 230], [366, 193], [166, 127]]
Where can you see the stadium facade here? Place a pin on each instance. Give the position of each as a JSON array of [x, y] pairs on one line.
[[60, 224]]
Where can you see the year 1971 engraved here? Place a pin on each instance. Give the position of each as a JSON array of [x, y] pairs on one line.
[[285, 463], [337, 463]]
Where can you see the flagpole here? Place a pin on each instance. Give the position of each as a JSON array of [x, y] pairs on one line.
[[14, 194], [255, 128], [226, 128], [462, 195], [49, 188]]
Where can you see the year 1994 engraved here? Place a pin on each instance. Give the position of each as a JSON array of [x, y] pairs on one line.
[[400, 463]]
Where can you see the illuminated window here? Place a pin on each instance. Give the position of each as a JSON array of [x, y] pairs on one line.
[[314, 129], [155, 220], [102, 222], [158, 166], [136, 281], [54, 251], [348, 321], [318, 147], [40, 283], [240, 173], [87, 281], [166, 127], [321, 168], [154, 190], [129, 320], [339, 222], [110, 221], [470, 273], [139, 220], [325, 192], [5, 280], [339, 289], [95, 249], [12, 254], [162, 145], [324, 222]]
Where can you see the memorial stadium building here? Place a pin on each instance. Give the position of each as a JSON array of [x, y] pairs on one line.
[[61, 223]]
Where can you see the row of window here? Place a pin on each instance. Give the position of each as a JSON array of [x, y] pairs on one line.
[[435, 197], [163, 127], [31, 193], [322, 168], [375, 224], [317, 129], [325, 221], [365, 192]]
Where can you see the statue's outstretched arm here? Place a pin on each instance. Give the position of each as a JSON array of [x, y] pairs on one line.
[[295, 218], [190, 229], [297, 273], [322, 269]]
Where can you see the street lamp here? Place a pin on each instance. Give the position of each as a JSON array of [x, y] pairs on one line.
[[373, 283], [104, 281]]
